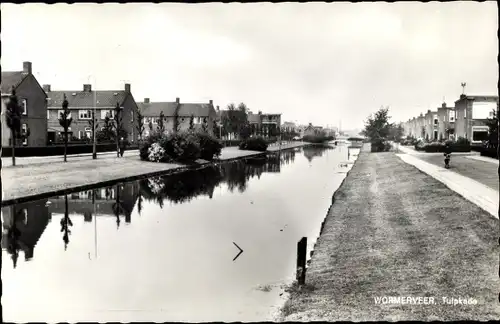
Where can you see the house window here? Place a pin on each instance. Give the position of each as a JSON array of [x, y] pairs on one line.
[[48, 114], [109, 113], [479, 134], [132, 115], [80, 134], [24, 129], [465, 113], [25, 107], [84, 114], [61, 112]]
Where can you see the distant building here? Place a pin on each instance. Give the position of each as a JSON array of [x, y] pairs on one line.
[[472, 112], [81, 104], [33, 103], [202, 113], [446, 117]]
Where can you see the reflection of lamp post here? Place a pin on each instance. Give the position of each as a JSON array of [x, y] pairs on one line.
[[94, 149]]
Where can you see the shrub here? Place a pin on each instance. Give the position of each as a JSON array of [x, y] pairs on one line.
[[380, 145], [315, 138], [462, 141], [254, 144], [146, 143], [156, 153], [210, 146], [181, 147]]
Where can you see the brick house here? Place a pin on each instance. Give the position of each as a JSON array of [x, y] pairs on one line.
[[33, 102], [446, 117], [420, 126], [82, 103], [471, 114], [431, 125], [268, 123], [202, 114]]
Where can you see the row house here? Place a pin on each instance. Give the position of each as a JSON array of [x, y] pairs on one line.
[[33, 103], [82, 104], [472, 113], [431, 125], [268, 123], [446, 122], [203, 115]]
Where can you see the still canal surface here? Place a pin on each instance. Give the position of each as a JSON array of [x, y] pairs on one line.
[[170, 254]]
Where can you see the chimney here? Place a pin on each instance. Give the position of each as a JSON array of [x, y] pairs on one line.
[[27, 67], [443, 105], [211, 102], [46, 87], [146, 100], [428, 110], [218, 108], [177, 100], [87, 88], [127, 87]]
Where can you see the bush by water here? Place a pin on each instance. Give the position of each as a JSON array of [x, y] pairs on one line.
[[254, 144], [184, 147]]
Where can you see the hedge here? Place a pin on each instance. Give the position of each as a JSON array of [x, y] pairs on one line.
[[53, 150], [440, 147]]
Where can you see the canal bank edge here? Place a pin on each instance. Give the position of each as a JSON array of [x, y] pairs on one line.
[[278, 316], [111, 182]]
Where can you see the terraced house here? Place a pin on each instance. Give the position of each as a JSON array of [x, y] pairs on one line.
[[446, 117], [472, 112], [82, 103], [204, 115], [33, 103]]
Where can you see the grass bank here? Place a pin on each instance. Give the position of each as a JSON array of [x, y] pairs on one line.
[[395, 231]]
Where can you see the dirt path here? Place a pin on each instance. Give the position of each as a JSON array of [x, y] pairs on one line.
[[394, 231]]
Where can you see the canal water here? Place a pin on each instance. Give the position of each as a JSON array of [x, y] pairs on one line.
[[168, 248]]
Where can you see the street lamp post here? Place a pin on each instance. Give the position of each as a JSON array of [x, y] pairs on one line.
[[94, 113]]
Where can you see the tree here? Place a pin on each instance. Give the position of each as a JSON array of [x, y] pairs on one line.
[[216, 130], [378, 129], [13, 118], [150, 125], [65, 120], [93, 123], [191, 123], [204, 125], [161, 123], [176, 118], [118, 126], [492, 124], [396, 132], [107, 133], [140, 122]]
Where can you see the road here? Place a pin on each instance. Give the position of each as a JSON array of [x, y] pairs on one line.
[[395, 231]]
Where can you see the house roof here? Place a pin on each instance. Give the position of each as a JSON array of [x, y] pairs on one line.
[[153, 109], [85, 99], [253, 118], [11, 79]]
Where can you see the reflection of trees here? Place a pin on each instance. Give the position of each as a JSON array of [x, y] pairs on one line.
[[66, 223], [183, 187], [312, 151], [13, 234]]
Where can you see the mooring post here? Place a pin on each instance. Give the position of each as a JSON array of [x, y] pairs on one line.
[[301, 260]]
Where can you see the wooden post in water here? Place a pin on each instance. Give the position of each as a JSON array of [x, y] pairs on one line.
[[301, 260]]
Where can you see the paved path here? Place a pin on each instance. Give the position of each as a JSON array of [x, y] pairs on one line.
[[33, 178], [395, 231], [33, 160], [484, 159]]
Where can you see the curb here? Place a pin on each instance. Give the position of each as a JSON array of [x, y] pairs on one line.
[[107, 183]]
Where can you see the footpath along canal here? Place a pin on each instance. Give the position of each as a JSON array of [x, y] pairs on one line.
[[217, 244]]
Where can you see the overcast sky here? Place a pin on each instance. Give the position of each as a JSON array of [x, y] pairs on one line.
[[312, 62]]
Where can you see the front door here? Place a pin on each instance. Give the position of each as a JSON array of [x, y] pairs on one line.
[[51, 137]]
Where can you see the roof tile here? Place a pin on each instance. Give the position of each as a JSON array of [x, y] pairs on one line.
[[11, 79], [79, 99]]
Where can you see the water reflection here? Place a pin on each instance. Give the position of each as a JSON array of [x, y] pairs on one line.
[[23, 224], [187, 259], [313, 151]]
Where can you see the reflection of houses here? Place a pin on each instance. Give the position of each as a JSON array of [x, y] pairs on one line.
[[310, 152], [472, 112], [105, 200], [30, 219], [32, 100], [204, 115]]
